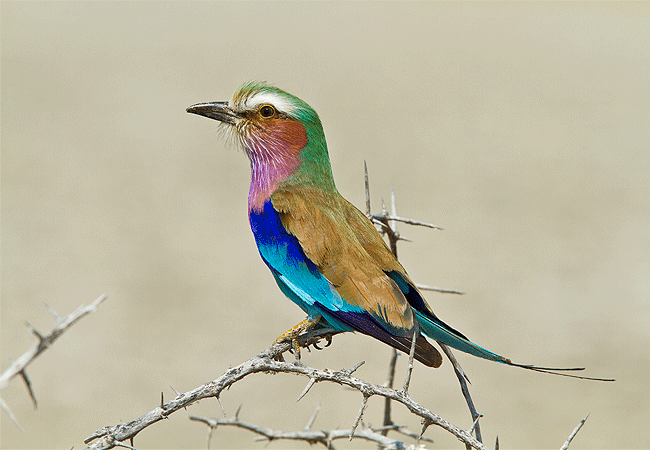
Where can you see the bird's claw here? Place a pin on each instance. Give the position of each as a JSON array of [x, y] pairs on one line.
[[328, 338]]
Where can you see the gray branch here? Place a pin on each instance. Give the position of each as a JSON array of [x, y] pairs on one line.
[[266, 362], [388, 217], [18, 366], [324, 437], [573, 434]]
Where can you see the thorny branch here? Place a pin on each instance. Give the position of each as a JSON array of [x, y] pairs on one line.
[[111, 436], [18, 366], [266, 362], [573, 433], [324, 437]]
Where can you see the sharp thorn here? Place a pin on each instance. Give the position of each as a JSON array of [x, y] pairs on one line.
[[312, 418], [307, 388], [53, 312], [34, 331], [28, 384], [471, 429], [355, 367], [222, 410], [6, 409]]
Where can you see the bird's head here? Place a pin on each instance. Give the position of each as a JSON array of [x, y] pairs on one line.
[[281, 134], [266, 120]]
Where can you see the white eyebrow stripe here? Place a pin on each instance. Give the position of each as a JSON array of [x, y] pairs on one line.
[[267, 98]]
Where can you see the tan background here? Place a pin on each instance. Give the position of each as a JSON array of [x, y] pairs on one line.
[[521, 128]]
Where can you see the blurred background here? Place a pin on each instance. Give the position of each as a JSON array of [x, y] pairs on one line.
[[523, 129]]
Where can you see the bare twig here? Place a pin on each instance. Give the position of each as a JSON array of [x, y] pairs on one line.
[[324, 437], [409, 369], [312, 419], [388, 421], [367, 187], [393, 209], [271, 361], [364, 405], [385, 216], [18, 367], [391, 232], [463, 380], [573, 434]]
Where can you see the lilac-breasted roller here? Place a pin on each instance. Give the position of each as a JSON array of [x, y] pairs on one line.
[[325, 254]]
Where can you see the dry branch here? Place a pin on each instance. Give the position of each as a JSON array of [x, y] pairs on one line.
[[111, 436], [573, 434], [388, 217], [324, 437], [18, 366]]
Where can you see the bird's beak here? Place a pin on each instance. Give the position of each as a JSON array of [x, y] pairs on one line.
[[215, 110]]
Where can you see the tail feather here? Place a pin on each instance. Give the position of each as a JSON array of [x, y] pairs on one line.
[[439, 331], [559, 371]]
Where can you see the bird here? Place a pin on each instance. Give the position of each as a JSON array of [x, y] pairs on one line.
[[324, 253]]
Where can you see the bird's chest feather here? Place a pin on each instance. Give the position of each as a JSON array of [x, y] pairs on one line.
[[279, 249]]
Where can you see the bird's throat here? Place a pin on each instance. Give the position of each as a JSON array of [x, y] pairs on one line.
[[274, 154]]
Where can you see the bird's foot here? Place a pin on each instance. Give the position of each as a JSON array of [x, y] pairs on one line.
[[328, 338], [292, 334], [314, 336]]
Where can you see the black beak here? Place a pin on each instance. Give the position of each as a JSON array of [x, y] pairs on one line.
[[215, 110]]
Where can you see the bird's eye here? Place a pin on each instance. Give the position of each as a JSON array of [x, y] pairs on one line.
[[267, 111]]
